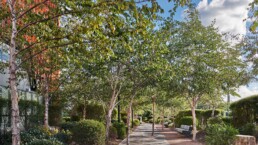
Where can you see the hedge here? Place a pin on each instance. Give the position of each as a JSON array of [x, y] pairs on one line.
[[245, 111], [89, 132], [186, 120], [121, 129], [200, 115]]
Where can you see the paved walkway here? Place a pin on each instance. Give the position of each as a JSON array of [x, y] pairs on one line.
[[142, 136]]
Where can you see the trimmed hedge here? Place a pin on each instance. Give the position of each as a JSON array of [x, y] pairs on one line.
[[45, 142], [89, 132], [121, 129], [187, 120], [245, 111]]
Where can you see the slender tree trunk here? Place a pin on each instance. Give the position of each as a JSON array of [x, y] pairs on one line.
[[46, 97], [84, 110], [194, 118], [213, 112], [128, 118], [15, 118], [109, 114], [153, 111], [128, 123], [118, 111], [163, 117]]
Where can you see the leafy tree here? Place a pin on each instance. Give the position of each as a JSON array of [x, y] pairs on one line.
[[203, 59]]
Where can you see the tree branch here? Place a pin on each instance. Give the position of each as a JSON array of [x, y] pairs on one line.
[[36, 5]]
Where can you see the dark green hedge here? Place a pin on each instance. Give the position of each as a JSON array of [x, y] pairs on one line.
[[89, 132], [201, 115], [245, 111]]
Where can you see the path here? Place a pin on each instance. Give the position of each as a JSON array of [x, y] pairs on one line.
[[142, 136]]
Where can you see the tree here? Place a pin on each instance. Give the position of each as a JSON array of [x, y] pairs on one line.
[[204, 61]]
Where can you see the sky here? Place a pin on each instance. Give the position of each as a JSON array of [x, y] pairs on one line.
[[229, 16]]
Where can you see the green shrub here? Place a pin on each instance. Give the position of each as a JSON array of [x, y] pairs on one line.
[[45, 142], [136, 122], [65, 136], [187, 120], [67, 125], [124, 119], [75, 118], [89, 132], [37, 133], [6, 138], [214, 120], [66, 119], [244, 111], [112, 132], [227, 120], [247, 129], [220, 134], [121, 129]]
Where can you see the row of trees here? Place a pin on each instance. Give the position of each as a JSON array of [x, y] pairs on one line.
[[104, 49]]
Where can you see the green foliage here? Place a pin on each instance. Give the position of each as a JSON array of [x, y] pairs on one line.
[[136, 122], [121, 129], [214, 120], [186, 120], [112, 132], [227, 120], [94, 111], [245, 111], [188, 113], [88, 132], [64, 136], [67, 125], [220, 134], [147, 115], [247, 129], [45, 142]]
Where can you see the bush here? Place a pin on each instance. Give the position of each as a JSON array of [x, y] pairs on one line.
[[187, 120], [227, 120], [112, 132], [247, 129], [121, 129], [89, 132], [75, 118], [45, 142], [220, 134], [214, 120], [6, 138], [136, 122], [65, 136], [67, 125]]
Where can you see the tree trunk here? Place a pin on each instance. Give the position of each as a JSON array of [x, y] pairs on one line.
[[15, 118], [153, 119], [213, 112], [109, 114], [163, 117], [128, 123], [194, 119], [46, 97], [108, 124], [84, 110], [46, 125]]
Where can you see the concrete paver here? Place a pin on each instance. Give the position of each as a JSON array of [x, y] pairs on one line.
[[142, 136]]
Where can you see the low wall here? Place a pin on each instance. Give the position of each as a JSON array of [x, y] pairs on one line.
[[245, 140]]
